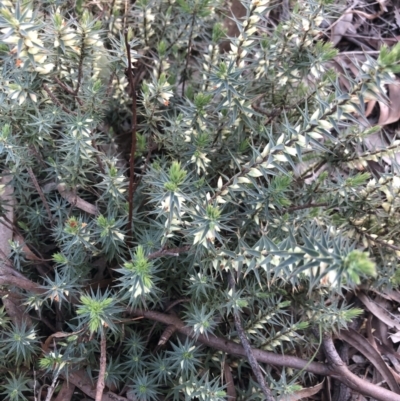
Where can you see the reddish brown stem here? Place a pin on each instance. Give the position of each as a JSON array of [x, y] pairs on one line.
[[68, 90], [41, 194], [132, 85], [56, 101], [335, 368]]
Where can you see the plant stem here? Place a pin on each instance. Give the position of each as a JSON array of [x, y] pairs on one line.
[[102, 372], [249, 352], [132, 85]]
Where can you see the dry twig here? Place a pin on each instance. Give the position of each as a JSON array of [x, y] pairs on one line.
[[247, 348], [132, 86], [103, 362]]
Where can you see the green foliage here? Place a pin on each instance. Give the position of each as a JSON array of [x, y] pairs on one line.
[[249, 163], [357, 264], [20, 344], [98, 311], [15, 387]]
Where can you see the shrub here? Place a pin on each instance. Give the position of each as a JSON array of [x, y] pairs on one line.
[[226, 198]]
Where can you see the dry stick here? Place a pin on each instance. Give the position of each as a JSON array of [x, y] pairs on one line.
[[336, 369], [68, 90], [9, 278], [56, 101], [102, 372], [230, 385], [340, 371], [249, 352], [51, 388], [134, 138], [233, 348], [378, 241], [76, 200], [18, 236], [307, 206], [170, 328], [80, 65], [41, 194], [125, 14], [185, 72], [168, 252], [166, 335]]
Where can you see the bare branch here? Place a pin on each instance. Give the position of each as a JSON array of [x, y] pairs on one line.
[[340, 371], [41, 194], [56, 101], [233, 348], [103, 362], [132, 85], [249, 352]]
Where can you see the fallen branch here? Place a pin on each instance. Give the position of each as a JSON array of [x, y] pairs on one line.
[[233, 348], [341, 372], [336, 367]]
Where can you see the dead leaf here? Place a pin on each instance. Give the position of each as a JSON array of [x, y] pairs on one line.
[[358, 358], [381, 330], [340, 27], [303, 393], [238, 12], [376, 141], [66, 392], [390, 113], [390, 295], [29, 255], [14, 310], [342, 63], [230, 385], [397, 16], [16, 313], [380, 313], [76, 200], [395, 337], [58, 334], [370, 106], [80, 379], [361, 344]]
